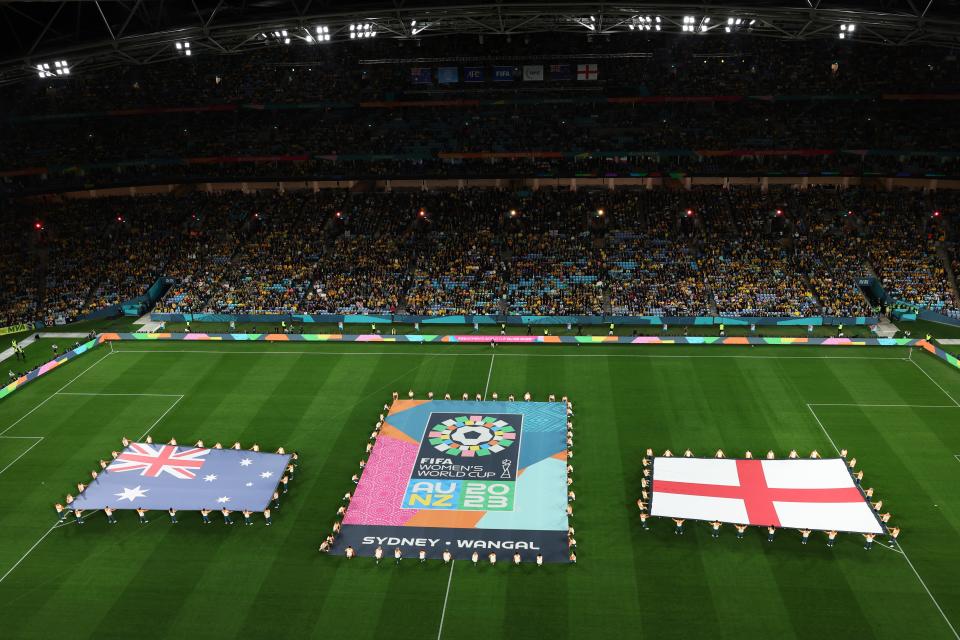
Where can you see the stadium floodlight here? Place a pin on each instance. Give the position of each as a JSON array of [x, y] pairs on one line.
[[362, 30], [323, 33], [183, 48], [846, 29], [59, 68], [689, 24]]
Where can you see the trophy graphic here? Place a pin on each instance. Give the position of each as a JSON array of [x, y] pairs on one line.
[[506, 468]]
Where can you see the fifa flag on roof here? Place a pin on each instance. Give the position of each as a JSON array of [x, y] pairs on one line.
[[587, 72], [161, 476], [795, 493]]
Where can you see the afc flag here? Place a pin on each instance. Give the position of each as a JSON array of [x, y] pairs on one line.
[[473, 74]]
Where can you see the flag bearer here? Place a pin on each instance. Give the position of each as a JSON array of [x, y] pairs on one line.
[[205, 514], [474, 558], [226, 516], [78, 514], [771, 531], [246, 517], [831, 538], [678, 529], [492, 557], [276, 500], [716, 528], [284, 481], [61, 512], [266, 516], [643, 520], [397, 555], [350, 552], [378, 554], [173, 515], [894, 532], [868, 540], [110, 518], [804, 536], [143, 515], [741, 528]]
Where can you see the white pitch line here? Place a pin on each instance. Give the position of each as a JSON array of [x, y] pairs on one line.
[[157, 395], [39, 440], [56, 524], [902, 550], [489, 373], [443, 612], [522, 355], [29, 551], [952, 399], [162, 416], [43, 402], [861, 404]]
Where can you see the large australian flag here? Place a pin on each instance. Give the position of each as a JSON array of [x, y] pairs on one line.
[[161, 476]]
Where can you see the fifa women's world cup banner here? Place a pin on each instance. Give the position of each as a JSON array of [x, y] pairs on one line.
[[464, 476]]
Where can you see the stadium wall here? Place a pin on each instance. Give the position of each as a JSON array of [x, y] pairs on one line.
[[474, 339], [469, 320]]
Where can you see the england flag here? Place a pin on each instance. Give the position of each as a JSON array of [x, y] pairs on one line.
[[587, 72], [796, 493]]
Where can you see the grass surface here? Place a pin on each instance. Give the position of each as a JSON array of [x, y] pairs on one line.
[[322, 400]]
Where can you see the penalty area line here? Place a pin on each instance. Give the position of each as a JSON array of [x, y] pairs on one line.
[[43, 402], [903, 551]]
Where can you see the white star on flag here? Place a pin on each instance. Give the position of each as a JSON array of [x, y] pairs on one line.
[[209, 478], [223, 499], [246, 462], [249, 484], [132, 494], [266, 474]]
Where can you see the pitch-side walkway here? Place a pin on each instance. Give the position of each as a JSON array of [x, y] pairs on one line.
[[26, 342]]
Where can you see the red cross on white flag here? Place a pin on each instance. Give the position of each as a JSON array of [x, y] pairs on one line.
[[587, 72], [795, 493]]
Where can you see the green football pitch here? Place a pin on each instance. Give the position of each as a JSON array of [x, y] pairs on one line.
[[896, 411]]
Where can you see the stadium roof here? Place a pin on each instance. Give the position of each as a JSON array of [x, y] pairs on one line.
[[85, 35]]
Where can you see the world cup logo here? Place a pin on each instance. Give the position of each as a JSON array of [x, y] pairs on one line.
[[470, 436]]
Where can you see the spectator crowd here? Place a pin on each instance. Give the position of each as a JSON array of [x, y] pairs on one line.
[[706, 251]]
